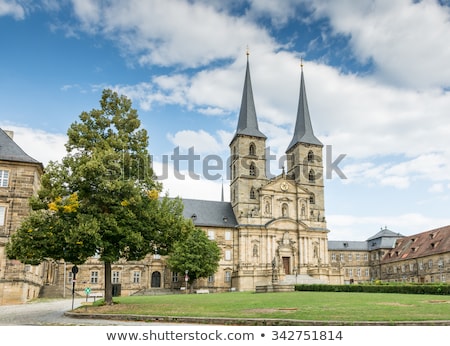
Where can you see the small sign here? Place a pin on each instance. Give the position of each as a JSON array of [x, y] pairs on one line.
[[87, 290]]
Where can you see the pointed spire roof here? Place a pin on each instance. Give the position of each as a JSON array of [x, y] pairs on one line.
[[303, 132], [248, 123]]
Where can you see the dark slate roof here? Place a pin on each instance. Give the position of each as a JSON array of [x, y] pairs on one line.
[[10, 151], [209, 213], [248, 123], [344, 245], [303, 132], [385, 239], [385, 233]]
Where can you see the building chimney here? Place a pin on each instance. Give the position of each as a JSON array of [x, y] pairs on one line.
[[9, 133]]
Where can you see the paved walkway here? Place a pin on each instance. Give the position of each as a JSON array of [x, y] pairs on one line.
[[51, 312]]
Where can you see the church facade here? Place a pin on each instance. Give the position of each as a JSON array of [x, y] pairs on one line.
[[281, 227]]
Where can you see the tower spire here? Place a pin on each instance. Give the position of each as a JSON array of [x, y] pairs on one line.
[[248, 123], [303, 132]]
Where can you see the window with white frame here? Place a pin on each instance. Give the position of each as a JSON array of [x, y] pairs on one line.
[[69, 277], [136, 277], [333, 257], [349, 272], [211, 235], [227, 276], [227, 235], [174, 277], [350, 257], [115, 279], [2, 215], [211, 278], [366, 272], [94, 277], [4, 178], [227, 255]]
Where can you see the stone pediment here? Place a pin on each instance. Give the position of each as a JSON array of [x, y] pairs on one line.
[[282, 185], [285, 224]]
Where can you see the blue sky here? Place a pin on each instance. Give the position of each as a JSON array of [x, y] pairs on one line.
[[377, 79]]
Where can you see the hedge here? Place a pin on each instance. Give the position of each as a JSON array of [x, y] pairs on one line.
[[439, 289]]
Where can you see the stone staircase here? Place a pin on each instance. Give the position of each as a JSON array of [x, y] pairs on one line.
[[300, 279], [54, 291], [156, 292]]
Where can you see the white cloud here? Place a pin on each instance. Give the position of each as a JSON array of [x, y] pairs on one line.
[[12, 8], [185, 184], [170, 32], [363, 227], [201, 141], [388, 33], [40, 145], [436, 188]]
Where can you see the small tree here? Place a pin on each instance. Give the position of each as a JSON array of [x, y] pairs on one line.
[[102, 199], [196, 254]]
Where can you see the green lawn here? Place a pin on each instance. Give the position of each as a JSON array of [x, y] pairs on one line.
[[320, 306]]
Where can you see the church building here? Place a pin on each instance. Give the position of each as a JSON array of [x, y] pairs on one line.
[[281, 231]]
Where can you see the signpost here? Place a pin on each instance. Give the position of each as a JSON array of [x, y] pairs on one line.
[[74, 279], [87, 290]]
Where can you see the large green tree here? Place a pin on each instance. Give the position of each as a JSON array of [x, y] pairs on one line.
[[196, 255], [102, 198]]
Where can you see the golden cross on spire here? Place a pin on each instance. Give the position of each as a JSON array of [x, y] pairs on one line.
[[247, 51], [301, 63]]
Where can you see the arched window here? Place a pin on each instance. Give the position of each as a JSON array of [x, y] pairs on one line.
[[312, 176], [310, 156], [252, 170], [252, 193], [252, 149], [312, 199]]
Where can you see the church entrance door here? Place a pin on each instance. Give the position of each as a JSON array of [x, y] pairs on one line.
[[286, 265], [156, 279]]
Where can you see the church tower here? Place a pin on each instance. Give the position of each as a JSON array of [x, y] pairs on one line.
[[305, 157], [248, 163]]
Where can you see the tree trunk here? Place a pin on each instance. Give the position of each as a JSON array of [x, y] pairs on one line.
[[108, 284]]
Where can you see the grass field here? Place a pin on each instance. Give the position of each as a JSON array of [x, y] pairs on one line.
[[319, 306]]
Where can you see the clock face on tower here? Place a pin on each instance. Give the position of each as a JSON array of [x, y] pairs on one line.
[[284, 186]]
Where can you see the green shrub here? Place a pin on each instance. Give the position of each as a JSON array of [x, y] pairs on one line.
[[438, 289]]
